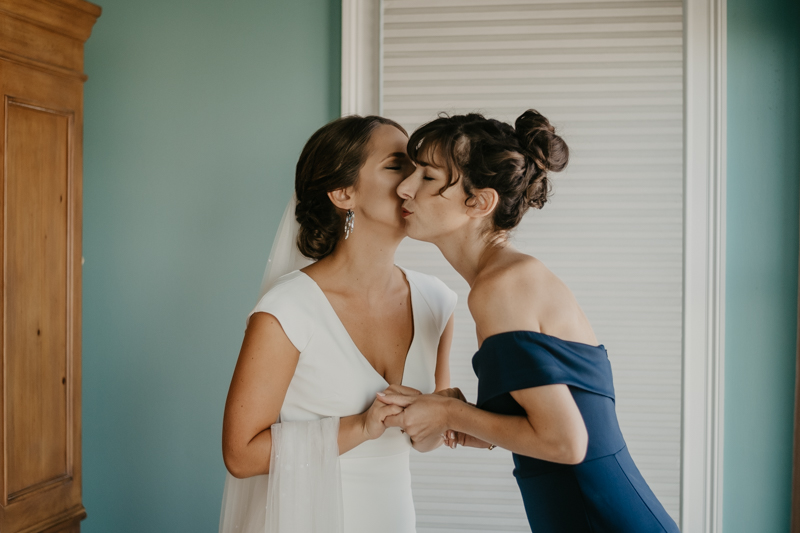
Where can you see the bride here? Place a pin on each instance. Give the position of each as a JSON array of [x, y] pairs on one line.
[[324, 339]]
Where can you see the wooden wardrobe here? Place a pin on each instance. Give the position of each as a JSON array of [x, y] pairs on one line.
[[41, 82]]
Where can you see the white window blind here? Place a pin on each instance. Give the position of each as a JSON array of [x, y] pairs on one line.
[[609, 76]]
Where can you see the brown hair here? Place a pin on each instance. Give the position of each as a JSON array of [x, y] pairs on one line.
[[331, 160], [488, 153]]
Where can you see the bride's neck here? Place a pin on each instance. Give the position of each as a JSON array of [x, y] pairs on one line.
[[364, 262]]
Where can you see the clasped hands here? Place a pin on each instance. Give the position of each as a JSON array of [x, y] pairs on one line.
[[424, 417]]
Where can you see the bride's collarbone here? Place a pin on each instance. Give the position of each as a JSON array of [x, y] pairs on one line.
[[381, 331], [392, 307], [376, 321]]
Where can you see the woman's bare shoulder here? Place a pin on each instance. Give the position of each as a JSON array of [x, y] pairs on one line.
[[507, 295], [511, 273], [520, 293]]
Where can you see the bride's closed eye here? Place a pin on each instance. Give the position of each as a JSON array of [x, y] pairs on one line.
[[395, 164]]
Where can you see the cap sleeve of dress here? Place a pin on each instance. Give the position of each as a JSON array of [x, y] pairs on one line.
[[440, 298], [288, 301], [525, 359]]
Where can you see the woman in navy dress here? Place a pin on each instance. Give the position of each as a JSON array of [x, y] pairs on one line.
[[545, 389]]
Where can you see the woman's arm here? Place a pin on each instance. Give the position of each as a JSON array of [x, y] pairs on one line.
[[442, 372], [264, 370], [442, 376], [553, 429]]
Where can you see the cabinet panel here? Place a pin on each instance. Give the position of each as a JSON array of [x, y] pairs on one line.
[[36, 349], [40, 171], [41, 108]]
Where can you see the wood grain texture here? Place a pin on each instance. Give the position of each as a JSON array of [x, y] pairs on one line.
[[37, 323], [69, 521], [39, 44], [73, 18], [41, 86]]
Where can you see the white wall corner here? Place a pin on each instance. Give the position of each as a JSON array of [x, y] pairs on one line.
[[704, 260]]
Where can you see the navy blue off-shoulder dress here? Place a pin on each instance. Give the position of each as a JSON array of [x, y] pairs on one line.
[[603, 494]]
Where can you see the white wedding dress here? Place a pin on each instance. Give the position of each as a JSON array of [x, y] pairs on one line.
[[333, 379]]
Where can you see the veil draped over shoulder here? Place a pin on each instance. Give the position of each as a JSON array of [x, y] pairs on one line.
[[303, 491], [284, 257]]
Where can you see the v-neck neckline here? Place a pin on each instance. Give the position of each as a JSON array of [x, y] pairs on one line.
[[350, 338]]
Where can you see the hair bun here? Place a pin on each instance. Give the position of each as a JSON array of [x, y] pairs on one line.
[[538, 140]]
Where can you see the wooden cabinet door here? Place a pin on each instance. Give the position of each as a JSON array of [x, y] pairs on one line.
[[41, 86], [40, 307]]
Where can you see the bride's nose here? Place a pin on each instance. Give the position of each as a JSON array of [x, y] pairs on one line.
[[406, 189]]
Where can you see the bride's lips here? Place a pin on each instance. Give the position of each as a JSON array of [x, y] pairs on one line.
[[406, 212]]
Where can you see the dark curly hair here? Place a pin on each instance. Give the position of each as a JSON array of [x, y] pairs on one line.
[[331, 160], [488, 153]]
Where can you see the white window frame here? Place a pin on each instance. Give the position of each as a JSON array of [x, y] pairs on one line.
[[703, 392]]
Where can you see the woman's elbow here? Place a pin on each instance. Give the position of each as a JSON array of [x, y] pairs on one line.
[[574, 455], [236, 464], [566, 447], [573, 449], [234, 467]]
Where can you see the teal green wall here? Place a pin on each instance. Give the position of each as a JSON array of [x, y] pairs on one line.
[[762, 252], [195, 113]]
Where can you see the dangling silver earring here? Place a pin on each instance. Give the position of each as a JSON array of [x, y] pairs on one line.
[[348, 223]]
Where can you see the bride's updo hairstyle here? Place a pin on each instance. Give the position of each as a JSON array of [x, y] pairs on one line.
[[331, 160], [486, 153]]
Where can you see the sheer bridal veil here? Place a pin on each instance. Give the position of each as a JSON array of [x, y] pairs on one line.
[[303, 491], [284, 256]]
